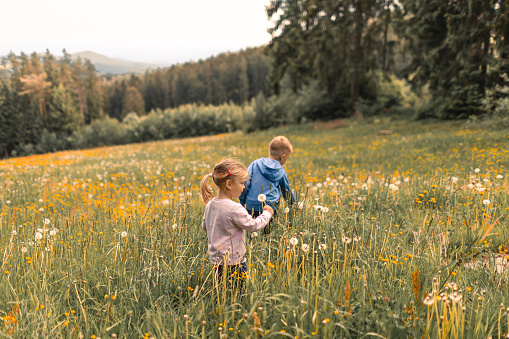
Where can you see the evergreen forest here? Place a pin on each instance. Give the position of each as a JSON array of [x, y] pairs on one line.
[[341, 59]]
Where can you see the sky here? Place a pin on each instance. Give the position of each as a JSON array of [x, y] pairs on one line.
[[160, 31]]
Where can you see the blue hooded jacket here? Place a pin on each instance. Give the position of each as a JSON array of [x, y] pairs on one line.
[[266, 176]]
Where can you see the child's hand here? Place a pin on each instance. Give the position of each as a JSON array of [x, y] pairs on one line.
[[268, 208]]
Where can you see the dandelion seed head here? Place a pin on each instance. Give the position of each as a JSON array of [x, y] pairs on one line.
[[262, 197], [294, 241], [123, 234]]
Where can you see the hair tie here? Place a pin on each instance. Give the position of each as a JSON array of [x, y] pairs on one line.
[[228, 170]]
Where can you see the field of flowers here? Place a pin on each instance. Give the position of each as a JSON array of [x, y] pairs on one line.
[[400, 235]]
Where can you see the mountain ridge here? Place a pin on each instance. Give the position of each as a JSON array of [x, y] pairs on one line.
[[105, 64]]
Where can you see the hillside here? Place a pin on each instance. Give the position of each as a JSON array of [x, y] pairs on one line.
[[105, 64]]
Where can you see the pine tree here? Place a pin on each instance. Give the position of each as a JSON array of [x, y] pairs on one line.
[[335, 42]]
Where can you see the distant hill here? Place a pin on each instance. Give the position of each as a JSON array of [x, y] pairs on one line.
[[109, 65]]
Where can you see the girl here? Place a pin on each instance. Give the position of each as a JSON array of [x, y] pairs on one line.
[[226, 221]]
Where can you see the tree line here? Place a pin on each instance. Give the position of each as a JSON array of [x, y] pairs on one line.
[[457, 50], [326, 59], [226, 78]]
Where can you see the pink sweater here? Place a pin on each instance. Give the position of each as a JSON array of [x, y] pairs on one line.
[[225, 222]]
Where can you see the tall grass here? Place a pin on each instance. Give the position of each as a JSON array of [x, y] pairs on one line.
[[403, 234]]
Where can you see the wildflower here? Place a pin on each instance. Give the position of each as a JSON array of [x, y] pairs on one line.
[[486, 202], [38, 236], [455, 296], [322, 247], [174, 226], [500, 176], [294, 241], [53, 232], [305, 247], [254, 234], [14, 232], [318, 208], [8, 202], [429, 300], [356, 238], [262, 197], [477, 170], [123, 234], [325, 209], [286, 210], [46, 221], [346, 240]]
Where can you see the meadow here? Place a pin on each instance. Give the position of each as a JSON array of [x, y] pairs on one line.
[[400, 235]]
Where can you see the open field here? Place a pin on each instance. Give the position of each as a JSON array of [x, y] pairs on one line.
[[108, 242]]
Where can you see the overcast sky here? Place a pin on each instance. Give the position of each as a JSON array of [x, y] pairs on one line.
[[162, 31]]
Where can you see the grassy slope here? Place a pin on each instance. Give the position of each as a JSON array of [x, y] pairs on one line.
[[159, 272]]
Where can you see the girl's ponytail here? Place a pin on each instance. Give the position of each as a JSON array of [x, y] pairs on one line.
[[205, 190]]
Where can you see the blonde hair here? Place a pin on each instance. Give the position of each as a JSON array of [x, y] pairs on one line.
[[280, 145], [226, 169]]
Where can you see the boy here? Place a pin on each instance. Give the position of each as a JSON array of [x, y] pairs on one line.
[[267, 176]]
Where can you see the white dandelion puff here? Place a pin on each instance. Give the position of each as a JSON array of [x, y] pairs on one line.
[[254, 234], [486, 202], [477, 170], [38, 236], [286, 210], [123, 234], [322, 247], [294, 241], [46, 221], [305, 247], [262, 197], [429, 300]]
